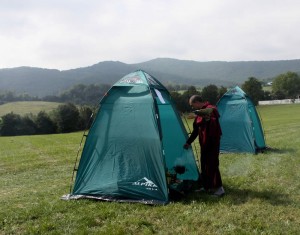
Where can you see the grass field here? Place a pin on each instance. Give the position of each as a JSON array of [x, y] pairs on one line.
[[262, 191], [27, 107]]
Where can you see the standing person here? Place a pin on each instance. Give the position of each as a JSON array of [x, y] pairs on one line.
[[207, 127]]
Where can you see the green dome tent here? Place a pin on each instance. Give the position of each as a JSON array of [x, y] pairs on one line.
[[241, 127], [133, 145]]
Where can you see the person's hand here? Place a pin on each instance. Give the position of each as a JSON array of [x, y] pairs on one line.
[[191, 116], [186, 146], [196, 112]]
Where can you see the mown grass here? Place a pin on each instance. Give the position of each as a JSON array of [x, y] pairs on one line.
[[27, 107], [262, 191]]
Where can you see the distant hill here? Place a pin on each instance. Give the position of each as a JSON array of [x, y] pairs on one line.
[[42, 82]]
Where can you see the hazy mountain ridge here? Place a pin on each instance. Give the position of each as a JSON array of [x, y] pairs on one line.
[[42, 82]]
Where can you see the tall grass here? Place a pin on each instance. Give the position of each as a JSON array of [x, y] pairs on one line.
[[262, 191]]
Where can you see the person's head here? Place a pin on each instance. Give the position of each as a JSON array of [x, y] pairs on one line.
[[196, 102]]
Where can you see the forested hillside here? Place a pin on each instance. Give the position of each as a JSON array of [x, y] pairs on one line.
[[42, 82]]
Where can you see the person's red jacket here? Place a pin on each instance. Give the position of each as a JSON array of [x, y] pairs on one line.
[[208, 129]]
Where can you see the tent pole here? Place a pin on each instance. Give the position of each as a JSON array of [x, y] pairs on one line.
[[78, 151], [194, 145], [262, 125]]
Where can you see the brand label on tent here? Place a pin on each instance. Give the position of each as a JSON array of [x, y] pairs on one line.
[[131, 80], [148, 184]]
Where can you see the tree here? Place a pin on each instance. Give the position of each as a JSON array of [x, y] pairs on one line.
[[178, 101], [85, 117], [67, 118], [82, 94], [93, 93], [210, 93], [28, 126], [253, 88], [222, 91], [267, 95], [278, 95], [44, 123], [286, 85], [11, 124]]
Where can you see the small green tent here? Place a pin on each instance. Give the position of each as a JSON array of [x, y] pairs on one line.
[[241, 127], [134, 143]]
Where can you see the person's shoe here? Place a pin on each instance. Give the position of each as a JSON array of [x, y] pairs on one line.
[[220, 192]]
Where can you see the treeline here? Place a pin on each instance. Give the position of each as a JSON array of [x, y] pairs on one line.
[[65, 118], [79, 94], [211, 93], [285, 86]]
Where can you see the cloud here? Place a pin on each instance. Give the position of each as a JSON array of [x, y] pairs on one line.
[[75, 33]]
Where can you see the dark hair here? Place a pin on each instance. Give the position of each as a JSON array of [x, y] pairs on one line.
[[196, 98]]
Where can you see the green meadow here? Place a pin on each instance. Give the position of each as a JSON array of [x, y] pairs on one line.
[[27, 107], [262, 191]]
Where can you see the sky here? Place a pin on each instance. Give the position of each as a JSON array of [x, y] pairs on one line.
[[68, 34]]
